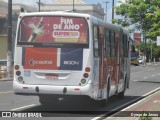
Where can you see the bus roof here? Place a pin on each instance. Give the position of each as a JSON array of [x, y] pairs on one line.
[[58, 13]]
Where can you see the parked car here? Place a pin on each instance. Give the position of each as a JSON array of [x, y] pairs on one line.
[[134, 62], [134, 59], [3, 68], [141, 60]]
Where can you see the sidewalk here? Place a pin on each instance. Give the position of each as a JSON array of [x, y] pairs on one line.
[[151, 63], [149, 106]]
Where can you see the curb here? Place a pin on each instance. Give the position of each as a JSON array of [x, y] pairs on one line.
[[141, 99], [111, 114]]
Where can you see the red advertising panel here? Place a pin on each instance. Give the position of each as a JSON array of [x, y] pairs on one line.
[[51, 29], [40, 58]]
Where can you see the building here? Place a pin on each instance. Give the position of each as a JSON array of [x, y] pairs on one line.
[[137, 38], [78, 6], [17, 7], [137, 41], [3, 23], [3, 29]]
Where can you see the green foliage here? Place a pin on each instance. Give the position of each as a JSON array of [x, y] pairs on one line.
[[141, 47], [144, 14], [145, 118], [155, 49]]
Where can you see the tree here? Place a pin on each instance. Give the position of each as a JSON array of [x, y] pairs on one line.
[[143, 14], [151, 48]]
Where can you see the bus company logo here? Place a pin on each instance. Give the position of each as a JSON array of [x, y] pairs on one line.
[[71, 62], [31, 62], [41, 62]]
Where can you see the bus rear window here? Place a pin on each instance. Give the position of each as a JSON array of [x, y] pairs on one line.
[[47, 30]]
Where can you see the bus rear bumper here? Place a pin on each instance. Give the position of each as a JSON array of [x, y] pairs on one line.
[[24, 89]]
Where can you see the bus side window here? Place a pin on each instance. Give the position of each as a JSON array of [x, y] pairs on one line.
[[113, 44], [117, 39], [107, 43], [125, 49], [95, 42], [121, 47], [107, 49]]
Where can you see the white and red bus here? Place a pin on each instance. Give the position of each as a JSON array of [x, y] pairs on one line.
[[61, 54]]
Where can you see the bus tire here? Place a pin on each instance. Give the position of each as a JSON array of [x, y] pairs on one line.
[[103, 103], [48, 100], [121, 94]]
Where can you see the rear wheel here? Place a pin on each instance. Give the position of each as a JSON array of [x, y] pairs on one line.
[[121, 94], [103, 103]]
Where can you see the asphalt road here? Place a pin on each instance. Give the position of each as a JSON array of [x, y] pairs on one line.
[[143, 80]]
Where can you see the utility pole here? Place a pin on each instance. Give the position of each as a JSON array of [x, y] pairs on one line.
[[112, 9], [106, 9], [39, 5], [9, 41], [39, 8], [145, 47], [73, 5]]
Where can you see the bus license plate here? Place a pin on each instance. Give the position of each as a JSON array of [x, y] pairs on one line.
[[51, 76]]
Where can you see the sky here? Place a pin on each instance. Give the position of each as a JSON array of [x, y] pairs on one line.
[[109, 5]]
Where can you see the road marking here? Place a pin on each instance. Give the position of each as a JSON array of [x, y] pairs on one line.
[[6, 92], [135, 80], [153, 75], [23, 107], [145, 77]]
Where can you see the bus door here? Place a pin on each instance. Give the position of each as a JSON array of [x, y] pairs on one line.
[[98, 55], [101, 58]]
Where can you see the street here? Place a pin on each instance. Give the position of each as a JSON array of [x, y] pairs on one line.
[[143, 80]]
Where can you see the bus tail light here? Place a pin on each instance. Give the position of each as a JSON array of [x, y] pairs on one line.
[[18, 73], [83, 81], [87, 69], [85, 75], [16, 67]]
